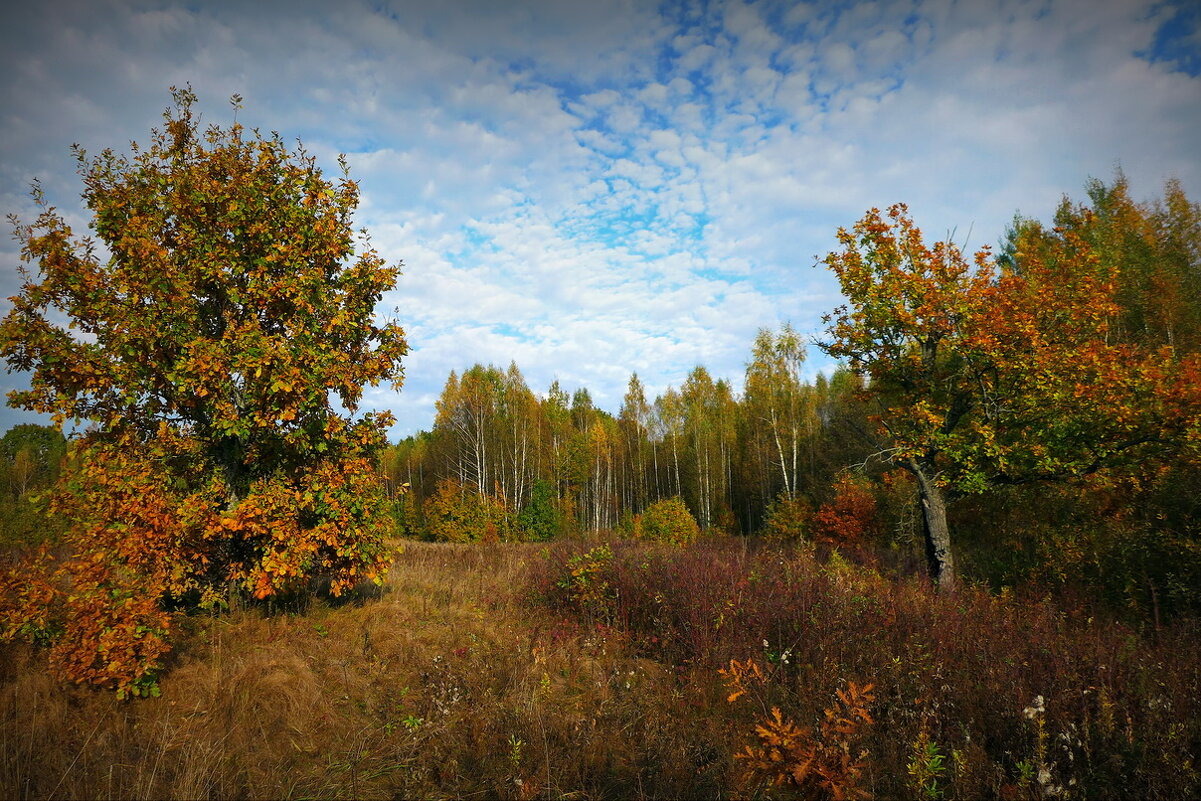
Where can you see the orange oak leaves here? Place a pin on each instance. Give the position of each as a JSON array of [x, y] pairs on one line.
[[984, 374], [217, 343]]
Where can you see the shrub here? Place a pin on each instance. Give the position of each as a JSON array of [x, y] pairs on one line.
[[669, 520], [788, 519], [587, 583], [979, 695], [455, 513], [850, 517]]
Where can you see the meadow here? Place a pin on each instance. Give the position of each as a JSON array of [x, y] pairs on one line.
[[586, 668], [228, 583]]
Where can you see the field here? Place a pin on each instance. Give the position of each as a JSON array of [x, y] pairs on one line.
[[587, 669]]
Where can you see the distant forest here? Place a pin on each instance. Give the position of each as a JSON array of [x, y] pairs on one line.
[[800, 460]]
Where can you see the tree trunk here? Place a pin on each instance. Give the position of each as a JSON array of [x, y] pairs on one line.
[[775, 430], [229, 455], [675, 455], [658, 485], [939, 558]]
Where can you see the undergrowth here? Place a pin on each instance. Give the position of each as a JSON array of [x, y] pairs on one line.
[[973, 694], [627, 670]]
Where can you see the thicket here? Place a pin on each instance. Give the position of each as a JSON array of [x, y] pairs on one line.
[[965, 696]]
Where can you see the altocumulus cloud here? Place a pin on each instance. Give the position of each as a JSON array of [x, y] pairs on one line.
[[597, 188]]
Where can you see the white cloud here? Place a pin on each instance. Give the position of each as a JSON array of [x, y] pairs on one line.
[[592, 189]]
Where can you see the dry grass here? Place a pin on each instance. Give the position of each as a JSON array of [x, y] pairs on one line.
[[475, 674], [447, 685]]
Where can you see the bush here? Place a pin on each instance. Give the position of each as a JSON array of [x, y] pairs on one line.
[[455, 513], [587, 584], [788, 519], [668, 520]]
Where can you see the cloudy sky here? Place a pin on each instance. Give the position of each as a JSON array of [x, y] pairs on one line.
[[612, 186]]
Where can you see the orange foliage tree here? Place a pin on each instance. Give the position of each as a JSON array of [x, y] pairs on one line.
[[205, 351], [850, 517], [984, 374]]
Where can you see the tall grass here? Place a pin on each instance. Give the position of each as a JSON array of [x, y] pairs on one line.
[[1119, 715], [447, 685], [522, 671]]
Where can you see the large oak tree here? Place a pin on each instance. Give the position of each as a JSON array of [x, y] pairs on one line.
[[216, 342], [984, 374]]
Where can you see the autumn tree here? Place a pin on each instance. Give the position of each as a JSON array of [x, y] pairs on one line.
[[634, 418], [217, 346], [983, 374], [775, 398], [1155, 251], [708, 429], [724, 418], [669, 419], [522, 436], [556, 411], [32, 456], [468, 412]]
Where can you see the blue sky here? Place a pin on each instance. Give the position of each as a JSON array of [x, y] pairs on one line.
[[603, 187]]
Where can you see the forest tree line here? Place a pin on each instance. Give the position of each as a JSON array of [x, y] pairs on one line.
[[496, 444], [803, 459]]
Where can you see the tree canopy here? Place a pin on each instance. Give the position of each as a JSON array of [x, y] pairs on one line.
[[983, 374], [216, 341]]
